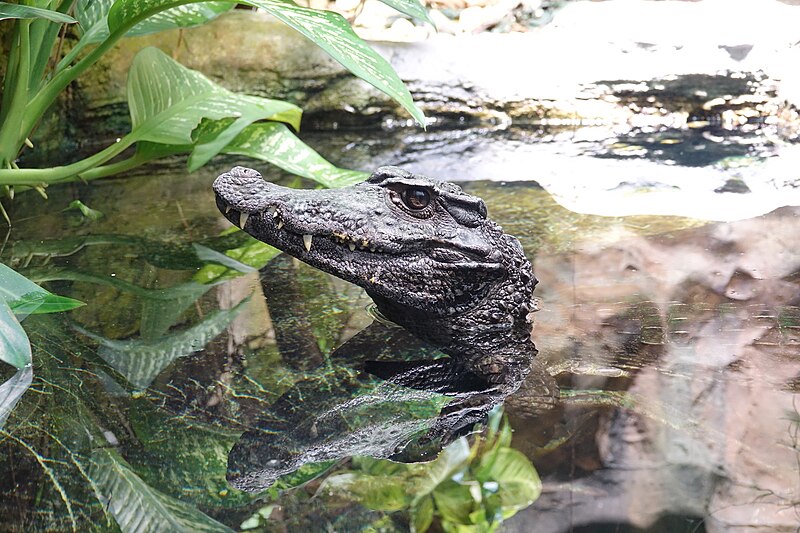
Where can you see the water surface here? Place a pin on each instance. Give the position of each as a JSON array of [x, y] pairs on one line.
[[673, 340]]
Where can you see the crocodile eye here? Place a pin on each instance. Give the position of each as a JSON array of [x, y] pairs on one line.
[[416, 198]]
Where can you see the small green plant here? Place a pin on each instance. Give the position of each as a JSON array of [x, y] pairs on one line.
[[20, 297], [173, 109], [467, 488]]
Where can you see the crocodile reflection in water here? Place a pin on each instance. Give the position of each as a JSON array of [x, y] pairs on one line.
[[433, 263]]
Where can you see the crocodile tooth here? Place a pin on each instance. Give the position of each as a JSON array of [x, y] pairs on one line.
[[273, 211], [307, 242], [280, 224], [243, 219], [352, 246], [227, 209]]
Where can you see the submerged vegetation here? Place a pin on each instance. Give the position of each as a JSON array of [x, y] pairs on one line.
[[91, 433], [123, 433], [174, 110]]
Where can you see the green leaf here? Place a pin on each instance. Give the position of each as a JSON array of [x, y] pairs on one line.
[[254, 254], [16, 11], [15, 349], [91, 15], [331, 32], [207, 255], [274, 143], [454, 502], [136, 506], [41, 302], [518, 482], [184, 16], [140, 361], [12, 390], [376, 492], [452, 459], [328, 30], [412, 8], [87, 211], [301, 476], [167, 102], [422, 515], [388, 486], [14, 285], [25, 297], [91, 12]]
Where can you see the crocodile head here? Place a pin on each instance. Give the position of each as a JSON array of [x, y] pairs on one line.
[[415, 244]]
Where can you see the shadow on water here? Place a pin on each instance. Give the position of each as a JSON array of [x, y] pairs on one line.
[[663, 396]]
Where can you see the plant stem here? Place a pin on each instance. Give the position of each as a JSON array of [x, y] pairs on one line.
[[138, 159], [45, 98], [36, 176], [11, 128], [10, 78]]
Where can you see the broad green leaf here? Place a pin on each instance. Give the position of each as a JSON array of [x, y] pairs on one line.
[[381, 493], [12, 390], [184, 16], [15, 349], [274, 143], [90, 12], [518, 482], [254, 254], [454, 502], [16, 11], [136, 506], [140, 361], [301, 476], [14, 285], [328, 30], [422, 515], [412, 8], [388, 486], [207, 255], [167, 102], [91, 15], [85, 210], [25, 297], [452, 459], [41, 302]]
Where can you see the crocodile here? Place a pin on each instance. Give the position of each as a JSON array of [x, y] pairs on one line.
[[423, 250], [432, 262]]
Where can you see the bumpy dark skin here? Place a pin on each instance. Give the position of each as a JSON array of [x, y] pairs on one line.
[[424, 250]]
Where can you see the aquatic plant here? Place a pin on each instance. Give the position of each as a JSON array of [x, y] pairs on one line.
[[20, 297], [174, 110], [467, 488]]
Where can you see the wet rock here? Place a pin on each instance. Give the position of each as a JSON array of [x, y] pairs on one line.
[[616, 76], [734, 185]]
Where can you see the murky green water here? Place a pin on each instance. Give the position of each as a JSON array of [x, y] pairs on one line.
[[675, 344]]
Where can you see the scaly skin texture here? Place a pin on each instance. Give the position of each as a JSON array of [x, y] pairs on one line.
[[424, 250]]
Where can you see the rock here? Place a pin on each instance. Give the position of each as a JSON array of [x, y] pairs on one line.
[[565, 77]]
